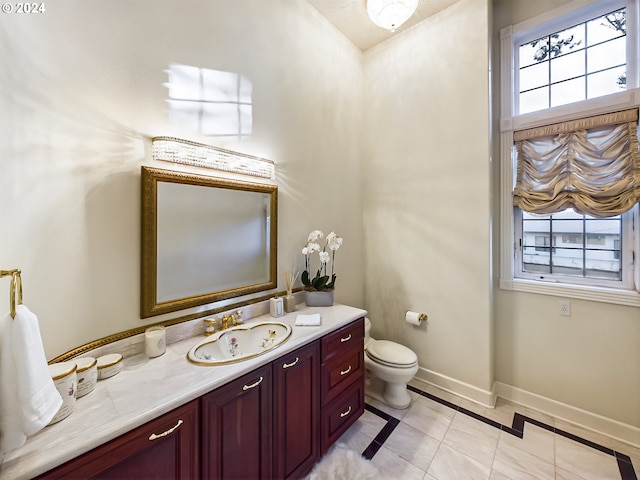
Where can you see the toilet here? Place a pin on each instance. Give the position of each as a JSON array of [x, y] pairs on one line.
[[389, 367]]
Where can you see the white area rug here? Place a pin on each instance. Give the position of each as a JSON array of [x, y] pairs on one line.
[[341, 463]]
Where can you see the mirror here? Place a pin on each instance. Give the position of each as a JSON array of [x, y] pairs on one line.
[[204, 239]]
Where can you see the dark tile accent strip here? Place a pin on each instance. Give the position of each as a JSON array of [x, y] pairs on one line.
[[627, 472], [626, 467], [383, 434]]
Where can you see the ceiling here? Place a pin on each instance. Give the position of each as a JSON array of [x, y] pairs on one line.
[[350, 17]]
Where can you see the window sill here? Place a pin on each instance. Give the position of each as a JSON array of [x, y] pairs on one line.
[[629, 298]]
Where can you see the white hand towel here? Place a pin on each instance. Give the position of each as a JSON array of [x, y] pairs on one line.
[[28, 396], [312, 320]]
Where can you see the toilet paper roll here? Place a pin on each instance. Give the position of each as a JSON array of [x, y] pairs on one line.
[[413, 318]]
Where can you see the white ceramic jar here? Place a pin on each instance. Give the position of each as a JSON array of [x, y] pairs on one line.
[[87, 374], [65, 379], [109, 365]]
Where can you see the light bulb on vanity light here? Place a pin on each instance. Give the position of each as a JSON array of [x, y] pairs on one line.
[[390, 14]]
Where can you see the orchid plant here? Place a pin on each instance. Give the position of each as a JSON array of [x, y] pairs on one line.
[[322, 281]]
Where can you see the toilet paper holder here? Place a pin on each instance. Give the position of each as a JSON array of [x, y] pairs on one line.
[[411, 317]]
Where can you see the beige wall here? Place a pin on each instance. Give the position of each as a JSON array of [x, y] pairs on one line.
[[426, 192], [591, 360], [81, 93], [366, 145]]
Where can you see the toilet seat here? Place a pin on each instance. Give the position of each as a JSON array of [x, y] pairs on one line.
[[391, 354]]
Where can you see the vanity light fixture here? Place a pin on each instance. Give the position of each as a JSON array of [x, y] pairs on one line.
[[390, 14], [177, 150]]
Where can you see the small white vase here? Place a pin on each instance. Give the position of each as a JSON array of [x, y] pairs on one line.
[[318, 299]]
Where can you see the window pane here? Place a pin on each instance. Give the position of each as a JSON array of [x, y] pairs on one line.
[[567, 92], [534, 76], [568, 66], [602, 264], [606, 55], [606, 27], [568, 261], [604, 83], [533, 52], [568, 40], [534, 100]]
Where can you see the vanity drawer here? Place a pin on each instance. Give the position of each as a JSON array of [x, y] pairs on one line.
[[340, 414], [348, 338], [339, 373]]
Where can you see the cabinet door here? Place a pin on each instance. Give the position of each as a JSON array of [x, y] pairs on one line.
[[166, 447], [296, 411], [236, 428]]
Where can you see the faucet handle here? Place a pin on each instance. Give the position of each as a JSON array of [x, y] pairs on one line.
[[210, 326], [239, 317]]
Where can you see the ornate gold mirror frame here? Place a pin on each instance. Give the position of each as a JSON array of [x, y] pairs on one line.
[[204, 239]]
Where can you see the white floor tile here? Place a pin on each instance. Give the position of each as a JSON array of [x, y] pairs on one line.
[[520, 464], [412, 445], [587, 462], [428, 420], [473, 438], [452, 464], [394, 467]]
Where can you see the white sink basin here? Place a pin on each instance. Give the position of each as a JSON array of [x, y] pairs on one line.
[[239, 343]]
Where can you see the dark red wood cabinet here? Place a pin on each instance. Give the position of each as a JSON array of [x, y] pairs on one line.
[[167, 447], [236, 428], [274, 422], [296, 411]]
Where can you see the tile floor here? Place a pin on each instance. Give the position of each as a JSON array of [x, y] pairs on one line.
[[444, 437]]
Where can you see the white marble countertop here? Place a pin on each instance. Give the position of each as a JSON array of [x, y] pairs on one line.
[[139, 394]]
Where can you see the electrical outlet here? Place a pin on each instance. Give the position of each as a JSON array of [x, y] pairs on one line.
[[564, 308]]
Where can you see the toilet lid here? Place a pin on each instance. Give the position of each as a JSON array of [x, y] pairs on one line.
[[391, 353]]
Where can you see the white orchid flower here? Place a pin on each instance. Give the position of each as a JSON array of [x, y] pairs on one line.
[[305, 251], [335, 242], [315, 236], [324, 257], [313, 247]]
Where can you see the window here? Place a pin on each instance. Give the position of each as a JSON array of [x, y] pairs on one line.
[[554, 71], [588, 248], [583, 61]]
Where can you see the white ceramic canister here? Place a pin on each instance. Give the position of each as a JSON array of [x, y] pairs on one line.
[[109, 365], [87, 374], [65, 379]]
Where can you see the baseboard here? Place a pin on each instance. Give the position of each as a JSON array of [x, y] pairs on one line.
[[461, 389], [589, 420]]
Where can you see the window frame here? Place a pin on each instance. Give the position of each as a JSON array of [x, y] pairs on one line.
[[627, 292]]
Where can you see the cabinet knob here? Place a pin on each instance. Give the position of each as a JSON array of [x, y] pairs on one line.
[[287, 365], [344, 414], [253, 385], [153, 436]]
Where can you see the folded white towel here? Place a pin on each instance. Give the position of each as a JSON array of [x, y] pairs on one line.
[[28, 396], [312, 320]]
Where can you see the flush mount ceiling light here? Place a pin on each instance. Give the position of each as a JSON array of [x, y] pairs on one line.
[[390, 14]]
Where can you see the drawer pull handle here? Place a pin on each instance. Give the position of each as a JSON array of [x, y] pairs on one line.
[[344, 372], [345, 339], [253, 385], [344, 414], [153, 436], [287, 365]]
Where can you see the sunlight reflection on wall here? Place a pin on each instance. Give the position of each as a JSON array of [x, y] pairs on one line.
[[210, 102]]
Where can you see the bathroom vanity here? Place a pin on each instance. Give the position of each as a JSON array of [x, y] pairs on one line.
[[268, 417]]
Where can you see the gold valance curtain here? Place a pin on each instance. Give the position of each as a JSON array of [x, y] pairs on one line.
[[591, 164]]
